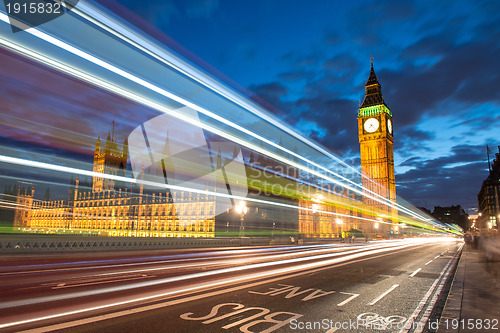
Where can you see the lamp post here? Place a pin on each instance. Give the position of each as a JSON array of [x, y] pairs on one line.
[[339, 222], [242, 209], [377, 225]]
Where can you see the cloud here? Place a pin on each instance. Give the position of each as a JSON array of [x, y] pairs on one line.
[[45, 108], [272, 93], [446, 180], [333, 38], [199, 8], [161, 12], [437, 63], [293, 76]]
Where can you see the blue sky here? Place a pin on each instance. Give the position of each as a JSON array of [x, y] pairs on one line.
[[438, 64], [307, 61]]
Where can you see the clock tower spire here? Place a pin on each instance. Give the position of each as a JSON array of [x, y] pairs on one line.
[[376, 147]]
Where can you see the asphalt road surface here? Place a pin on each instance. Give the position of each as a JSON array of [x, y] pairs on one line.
[[382, 286]]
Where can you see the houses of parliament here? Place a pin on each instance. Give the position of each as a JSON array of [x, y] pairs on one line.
[[103, 206]]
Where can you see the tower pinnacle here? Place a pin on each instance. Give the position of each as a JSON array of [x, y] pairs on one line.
[[373, 91]]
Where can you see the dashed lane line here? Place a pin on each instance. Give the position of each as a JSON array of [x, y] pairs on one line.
[[383, 294], [415, 272]]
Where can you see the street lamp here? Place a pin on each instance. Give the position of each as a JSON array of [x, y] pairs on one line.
[[242, 209], [339, 222]]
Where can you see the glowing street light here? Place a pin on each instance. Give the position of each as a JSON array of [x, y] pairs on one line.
[[376, 225], [339, 222], [241, 209]]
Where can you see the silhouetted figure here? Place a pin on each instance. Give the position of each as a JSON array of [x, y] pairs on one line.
[[468, 239], [476, 241]]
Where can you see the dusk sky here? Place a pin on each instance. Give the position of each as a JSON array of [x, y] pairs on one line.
[[438, 64]]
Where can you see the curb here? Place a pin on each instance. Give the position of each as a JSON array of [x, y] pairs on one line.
[[453, 305]]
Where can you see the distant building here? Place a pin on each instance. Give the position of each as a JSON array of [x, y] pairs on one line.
[[425, 210], [488, 198], [14, 201], [104, 206], [107, 207], [452, 215]]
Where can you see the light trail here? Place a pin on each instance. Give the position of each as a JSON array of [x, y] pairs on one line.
[[215, 260], [349, 256], [143, 43], [70, 170], [363, 251], [66, 68]]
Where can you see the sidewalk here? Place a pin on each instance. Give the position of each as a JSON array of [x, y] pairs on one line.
[[474, 295]]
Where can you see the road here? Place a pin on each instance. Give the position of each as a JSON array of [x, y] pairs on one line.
[[386, 286]]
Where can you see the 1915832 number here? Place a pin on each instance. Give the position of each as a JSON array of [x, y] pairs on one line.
[[472, 324], [34, 8]]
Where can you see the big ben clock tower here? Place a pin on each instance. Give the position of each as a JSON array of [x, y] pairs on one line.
[[376, 145]]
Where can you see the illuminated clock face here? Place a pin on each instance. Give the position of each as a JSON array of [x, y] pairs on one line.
[[389, 126], [371, 125]]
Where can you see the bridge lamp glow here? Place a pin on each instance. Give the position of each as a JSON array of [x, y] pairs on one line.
[[376, 225], [241, 208], [339, 221], [489, 225], [396, 228]]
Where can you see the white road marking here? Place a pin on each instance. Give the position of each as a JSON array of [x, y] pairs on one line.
[[427, 263], [436, 256], [433, 301], [331, 330], [375, 321], [94, 319], [415, 273], [347, 300], [383, 294], [409, 323]]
